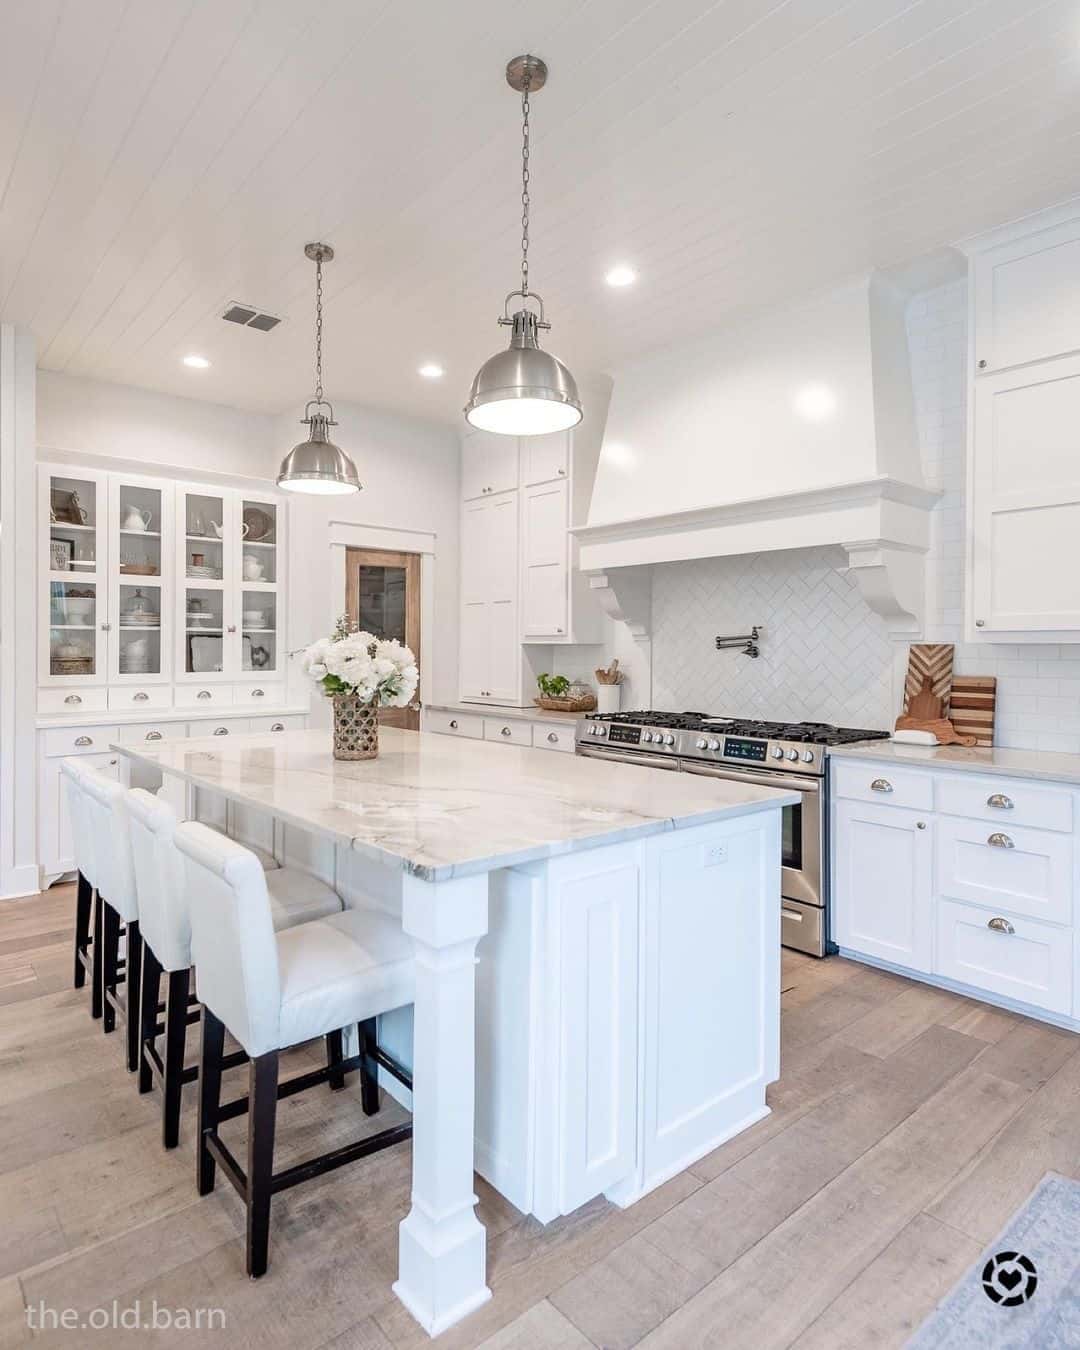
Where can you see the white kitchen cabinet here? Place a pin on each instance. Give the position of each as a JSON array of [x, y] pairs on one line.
[[491, 660], [1006, 954], [489, 464], [1018, 870], [545, 561], [882, 883], [56, 850], [73, 576], [545, 459]]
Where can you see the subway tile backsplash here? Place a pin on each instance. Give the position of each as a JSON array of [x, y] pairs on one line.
[[825, 656]]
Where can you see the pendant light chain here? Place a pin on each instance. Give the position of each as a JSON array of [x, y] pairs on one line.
[[318, 330], [525, 187]]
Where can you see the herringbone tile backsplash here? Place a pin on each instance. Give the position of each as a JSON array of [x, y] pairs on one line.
[[825, 656]]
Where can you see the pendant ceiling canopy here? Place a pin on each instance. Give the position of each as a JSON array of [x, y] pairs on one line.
[[524, 391], [317, 466]]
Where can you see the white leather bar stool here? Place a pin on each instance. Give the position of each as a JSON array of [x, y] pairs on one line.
[[87, 948], [295, 897], [273, 990]]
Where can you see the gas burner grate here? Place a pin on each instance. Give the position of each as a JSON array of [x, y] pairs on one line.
[[813, 733]]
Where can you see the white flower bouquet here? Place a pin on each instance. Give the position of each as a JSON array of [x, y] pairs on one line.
[[378, 671]]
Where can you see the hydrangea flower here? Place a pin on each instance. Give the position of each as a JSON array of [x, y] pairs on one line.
[[377, 670]]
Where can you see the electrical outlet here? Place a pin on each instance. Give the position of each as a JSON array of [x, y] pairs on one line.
[[715, 854]]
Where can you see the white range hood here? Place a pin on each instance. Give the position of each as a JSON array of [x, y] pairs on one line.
[[793, 430]]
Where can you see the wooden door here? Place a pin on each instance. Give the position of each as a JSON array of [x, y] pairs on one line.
[[382, 596]]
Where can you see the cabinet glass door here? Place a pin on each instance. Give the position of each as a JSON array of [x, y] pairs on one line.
[[259, 542], [75, 567], [205, 560], [140, 518]]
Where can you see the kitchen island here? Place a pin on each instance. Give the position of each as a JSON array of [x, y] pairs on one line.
[[598, 957]]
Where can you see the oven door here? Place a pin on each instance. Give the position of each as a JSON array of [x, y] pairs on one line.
[[801, 842], [628, 757]]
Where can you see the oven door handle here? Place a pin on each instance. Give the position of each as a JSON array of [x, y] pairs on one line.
[[773, 780], [646, 761]]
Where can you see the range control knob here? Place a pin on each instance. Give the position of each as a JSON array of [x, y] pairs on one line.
[[793, 754], [669, 740], [646, 736], [601, 730], [808, 756], [777, 753], [702, 744], [714, 745]]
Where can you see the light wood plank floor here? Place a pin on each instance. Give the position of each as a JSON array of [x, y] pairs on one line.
[[907, 1126]]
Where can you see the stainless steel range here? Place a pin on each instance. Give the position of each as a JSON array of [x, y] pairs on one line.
[[772, 754]]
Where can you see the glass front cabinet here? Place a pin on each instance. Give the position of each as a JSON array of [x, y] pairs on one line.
[[146, 581]]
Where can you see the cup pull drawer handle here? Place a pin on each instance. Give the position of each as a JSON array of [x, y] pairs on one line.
[[73, 698], [453, 724], [278, 726], [1000, 801], [257, 693], [204, 693], [506, 732], [999, 840], [881, 785], [153, 735], [1000, 926], [221, 731], [140, 697], [84, 740], [553, 738]]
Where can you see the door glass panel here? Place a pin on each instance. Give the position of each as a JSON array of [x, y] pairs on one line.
[[203, 635], [72, 628], [791, 837], [204, 524], [73, 509], [139, 627], [140, 531], [259, 620], [381, 605], [258, 541]]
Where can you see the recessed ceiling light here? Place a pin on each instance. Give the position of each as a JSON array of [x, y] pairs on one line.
[[196, 362], [432, 371], [621, 275]]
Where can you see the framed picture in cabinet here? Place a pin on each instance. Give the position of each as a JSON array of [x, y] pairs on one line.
[[61, 553]]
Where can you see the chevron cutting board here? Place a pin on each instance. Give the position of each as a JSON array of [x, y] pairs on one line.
[[933, 659], [972, 709]]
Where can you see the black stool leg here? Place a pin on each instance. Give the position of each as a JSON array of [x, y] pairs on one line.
[[369, 1083], [335, 1053], [96, 963], [211, 1052], [262, 1105], [109, 959], [134, 984], [84, 902], [176, 1009], [149, 989]]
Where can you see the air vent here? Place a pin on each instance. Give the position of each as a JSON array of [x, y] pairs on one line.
[[250, 318]]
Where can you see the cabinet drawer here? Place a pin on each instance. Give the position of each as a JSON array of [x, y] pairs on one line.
[[79, 740], [547, 737], [149, 733], [226, 726], [259, 695], [70, 701], [454, 724], [884, 784], [512, 731], [1022, 871], [132, 699], [204, 696], [264, 724], [1005, 802], [1027, 960]]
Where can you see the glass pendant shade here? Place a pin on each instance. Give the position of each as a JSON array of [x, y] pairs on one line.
[[317, 466], [523, 391]]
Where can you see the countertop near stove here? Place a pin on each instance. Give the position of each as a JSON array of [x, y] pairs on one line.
[[531, 714], [439, 807], [1052, 766]]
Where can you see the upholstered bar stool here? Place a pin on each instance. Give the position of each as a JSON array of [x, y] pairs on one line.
[[295, 897], [273, 990], [87, 961]]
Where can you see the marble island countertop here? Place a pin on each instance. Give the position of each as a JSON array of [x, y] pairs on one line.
[[1050, 765], [440, 807]]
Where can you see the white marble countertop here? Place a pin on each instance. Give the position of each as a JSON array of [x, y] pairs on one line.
[[440, 807], [531, 714], [1051, 765]]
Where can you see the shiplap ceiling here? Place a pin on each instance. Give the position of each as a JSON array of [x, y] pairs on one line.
[[160, 158]]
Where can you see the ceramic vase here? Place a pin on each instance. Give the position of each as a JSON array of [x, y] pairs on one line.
[[356, 727]]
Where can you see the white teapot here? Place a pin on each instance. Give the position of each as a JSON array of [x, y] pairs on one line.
[[253, 568], [136, 519], [219, 529]]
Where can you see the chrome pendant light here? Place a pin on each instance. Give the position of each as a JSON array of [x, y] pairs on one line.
[[317, 466], [524, 391]]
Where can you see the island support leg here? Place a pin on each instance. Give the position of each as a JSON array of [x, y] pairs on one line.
[[442, 1249]]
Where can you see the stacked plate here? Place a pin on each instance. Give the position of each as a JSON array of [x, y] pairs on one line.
[[210, 573]]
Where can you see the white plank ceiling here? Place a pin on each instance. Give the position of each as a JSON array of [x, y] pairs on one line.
[[160, 158]]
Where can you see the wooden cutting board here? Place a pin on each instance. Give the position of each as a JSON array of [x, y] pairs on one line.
[[972, 706], [931, 661]]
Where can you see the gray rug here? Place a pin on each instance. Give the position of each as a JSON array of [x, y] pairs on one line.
[[1024, 1291]]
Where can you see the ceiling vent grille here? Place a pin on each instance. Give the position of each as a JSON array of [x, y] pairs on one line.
[[249, 317]]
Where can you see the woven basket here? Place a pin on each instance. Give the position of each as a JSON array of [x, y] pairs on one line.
[[356, 728], [584, 703]]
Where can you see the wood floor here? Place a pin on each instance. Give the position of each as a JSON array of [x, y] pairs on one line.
[[908, 1125]]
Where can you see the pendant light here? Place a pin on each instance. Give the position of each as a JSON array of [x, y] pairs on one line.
[[524, 391], [317, 465]]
